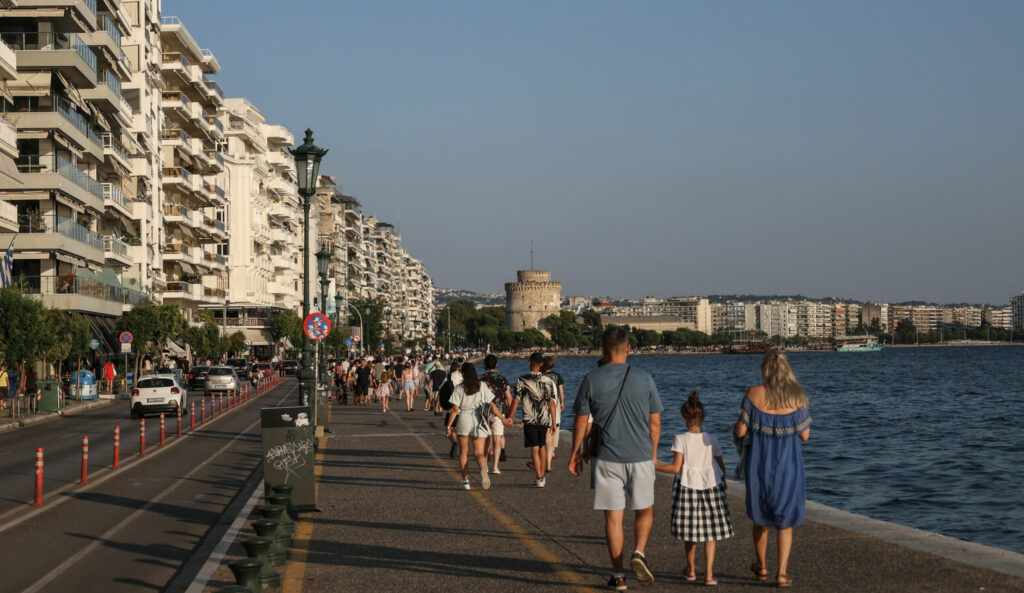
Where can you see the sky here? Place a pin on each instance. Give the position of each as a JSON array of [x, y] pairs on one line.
[[864, 150]]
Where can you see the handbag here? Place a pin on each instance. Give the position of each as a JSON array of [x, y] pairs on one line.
[[595, 439]]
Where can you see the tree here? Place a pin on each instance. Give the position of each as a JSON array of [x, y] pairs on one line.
[[335, 341], [373, 316], [286, 324], [565, 331], [21, 318], [151, 325]]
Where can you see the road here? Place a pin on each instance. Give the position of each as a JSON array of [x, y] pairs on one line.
[[131, 529]]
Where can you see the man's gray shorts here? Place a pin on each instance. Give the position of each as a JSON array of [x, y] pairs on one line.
[[613, 481]]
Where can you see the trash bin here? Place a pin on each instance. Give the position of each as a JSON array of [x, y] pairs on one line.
[[83, 385], [50, 395]]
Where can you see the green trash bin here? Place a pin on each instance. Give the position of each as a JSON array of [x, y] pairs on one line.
[[50, 396]]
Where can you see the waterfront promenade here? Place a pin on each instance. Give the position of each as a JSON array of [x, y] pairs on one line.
[[395, 519]]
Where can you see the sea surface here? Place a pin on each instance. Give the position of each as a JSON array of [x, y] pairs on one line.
[[924, 437]]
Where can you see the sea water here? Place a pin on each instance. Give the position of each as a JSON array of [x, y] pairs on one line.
[[923, 437]]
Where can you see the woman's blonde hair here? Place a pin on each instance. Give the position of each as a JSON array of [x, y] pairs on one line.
[[782, 390]]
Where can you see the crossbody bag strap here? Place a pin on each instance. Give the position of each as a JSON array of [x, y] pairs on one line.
[[617, 399]]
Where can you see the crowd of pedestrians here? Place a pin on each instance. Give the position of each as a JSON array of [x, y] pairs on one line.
[[616, 429]]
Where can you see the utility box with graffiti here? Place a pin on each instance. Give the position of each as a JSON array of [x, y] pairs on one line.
[[288, 450]]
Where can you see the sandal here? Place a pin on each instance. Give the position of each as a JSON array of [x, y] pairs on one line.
[[783, 581], [759, 571], [688, 576]]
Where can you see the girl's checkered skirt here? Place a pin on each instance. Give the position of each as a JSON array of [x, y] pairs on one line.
[[700, 515]]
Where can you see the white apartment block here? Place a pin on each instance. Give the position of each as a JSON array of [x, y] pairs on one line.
[[998, 317]]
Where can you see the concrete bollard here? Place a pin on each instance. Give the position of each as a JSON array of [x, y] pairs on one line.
[[162, 429], [38, 502], [247, 573], [286, 490], [282, 500], [268, 528], [273, 512], [257, 548], [85, 461], [142, 437], [117, 448]]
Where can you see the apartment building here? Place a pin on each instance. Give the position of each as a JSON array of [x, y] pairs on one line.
[[853, 317], [194, 207], [1017, 309], [998, 317], [872, 311], [778, 318], [64, 109]]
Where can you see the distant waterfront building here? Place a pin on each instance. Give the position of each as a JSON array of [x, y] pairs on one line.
[[998, 317], [531, 299], [871, 311], [1017, 306]]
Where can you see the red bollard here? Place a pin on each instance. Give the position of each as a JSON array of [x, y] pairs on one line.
[[192, 417], [202, 420], [179, 422], [117, 448], [85, 461], [142, 437], [38, 502], [161, 429], [220, 404]]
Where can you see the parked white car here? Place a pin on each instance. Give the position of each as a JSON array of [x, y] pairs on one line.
[[220, 379], [159, 393]]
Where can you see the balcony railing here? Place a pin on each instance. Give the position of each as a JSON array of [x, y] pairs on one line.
[[77, 176], [72, 284], [174, 134], [213, 86], [108, 25], [177, 172], [51, 42], [176, 210], [113, 192], [179, 97], [66, 109], [115, 245], [112, 81], [181, 248], [73, 230], [171, 58], [110, 142]]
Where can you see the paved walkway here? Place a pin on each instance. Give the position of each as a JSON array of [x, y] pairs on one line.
[[396, 519]]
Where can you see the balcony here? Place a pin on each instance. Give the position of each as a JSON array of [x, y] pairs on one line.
[[8, 217], [71, 292], [56, 173], [66, 53], [178, 177], [215, 260], [177, 104], [62, 116], [176, 64], [178, 139], [215, 92], [186, 291], [116, 251], [8, 138], [182, 252], [8, 62], [107, 95], [113, 148], [113, 198], [56, 233]]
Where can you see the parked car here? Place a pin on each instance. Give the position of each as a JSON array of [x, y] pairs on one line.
[[158, 393], [220, 380], [197, 377], [264, 369], [241, 367], [291, 367], [179, 374]]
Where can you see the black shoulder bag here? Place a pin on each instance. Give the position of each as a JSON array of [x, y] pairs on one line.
[[596, 437]]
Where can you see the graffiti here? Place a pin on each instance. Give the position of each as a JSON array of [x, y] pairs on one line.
[[289, 456]]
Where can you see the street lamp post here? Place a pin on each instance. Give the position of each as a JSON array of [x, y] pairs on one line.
[[307, 169], [323, 262], [338, 302]]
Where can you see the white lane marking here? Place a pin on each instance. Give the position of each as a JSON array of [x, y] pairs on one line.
[[74, 558]]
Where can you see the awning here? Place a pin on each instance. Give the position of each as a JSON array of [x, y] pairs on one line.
[[103, 329], [172, 347], [85, 273], [67, 143], [6, 92], [108, 276], [72, 93], [37, 84], [70, 259], [9, 171], [187, 268], [101, 121]]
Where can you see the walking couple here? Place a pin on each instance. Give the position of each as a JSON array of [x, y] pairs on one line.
[[624, 403]]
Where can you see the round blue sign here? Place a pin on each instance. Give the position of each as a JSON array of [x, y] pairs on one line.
[[94, 344], [348, 341], [126, 337]]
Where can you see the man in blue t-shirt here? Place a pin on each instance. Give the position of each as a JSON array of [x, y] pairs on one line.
[[624, 402]]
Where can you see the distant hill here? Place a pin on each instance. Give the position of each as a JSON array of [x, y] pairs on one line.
[[443, 296]]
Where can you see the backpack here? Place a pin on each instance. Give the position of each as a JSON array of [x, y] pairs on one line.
[[444, 395]]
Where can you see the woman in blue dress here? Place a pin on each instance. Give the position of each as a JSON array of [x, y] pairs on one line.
[[775, 417]]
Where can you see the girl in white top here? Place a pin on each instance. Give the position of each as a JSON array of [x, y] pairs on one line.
[[699, 509]]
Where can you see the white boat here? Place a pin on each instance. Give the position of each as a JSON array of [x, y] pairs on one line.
[[865, 344]]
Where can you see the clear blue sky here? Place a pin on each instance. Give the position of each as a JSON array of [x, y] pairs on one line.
[[867, 150]]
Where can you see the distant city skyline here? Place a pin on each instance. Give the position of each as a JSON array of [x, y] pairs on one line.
[[867, 150]]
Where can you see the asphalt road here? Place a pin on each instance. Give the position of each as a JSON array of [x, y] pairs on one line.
[[130, 529]]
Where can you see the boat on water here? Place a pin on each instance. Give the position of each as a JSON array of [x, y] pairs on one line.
[[747, 347], [865, 344]]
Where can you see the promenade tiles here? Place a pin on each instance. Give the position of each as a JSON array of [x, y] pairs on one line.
[[396, 519]]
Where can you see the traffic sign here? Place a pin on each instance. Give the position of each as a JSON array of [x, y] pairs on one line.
[[349, 341], [94, 344], [316, 326], [126, 337], [356, 339], [126, 347]]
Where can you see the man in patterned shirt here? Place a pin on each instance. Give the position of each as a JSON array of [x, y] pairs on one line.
[[537, 394]]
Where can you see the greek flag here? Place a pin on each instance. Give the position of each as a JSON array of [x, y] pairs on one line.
[[5, 268]]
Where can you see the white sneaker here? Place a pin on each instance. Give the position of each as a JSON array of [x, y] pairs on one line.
[[540, 483], [485, 480], [495, 471], [465, 485]]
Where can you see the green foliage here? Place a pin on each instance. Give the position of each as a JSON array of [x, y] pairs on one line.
[[23, 333], [372, 311], [152, 325], [565, 331], [335, 341], [286, 324]]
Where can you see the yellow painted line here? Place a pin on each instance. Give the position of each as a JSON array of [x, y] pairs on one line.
[[529, 541], [294, 575]]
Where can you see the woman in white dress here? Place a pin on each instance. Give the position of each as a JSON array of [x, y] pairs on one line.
[[469, 402]]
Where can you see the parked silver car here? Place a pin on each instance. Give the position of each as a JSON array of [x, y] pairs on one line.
[[220, 379]]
